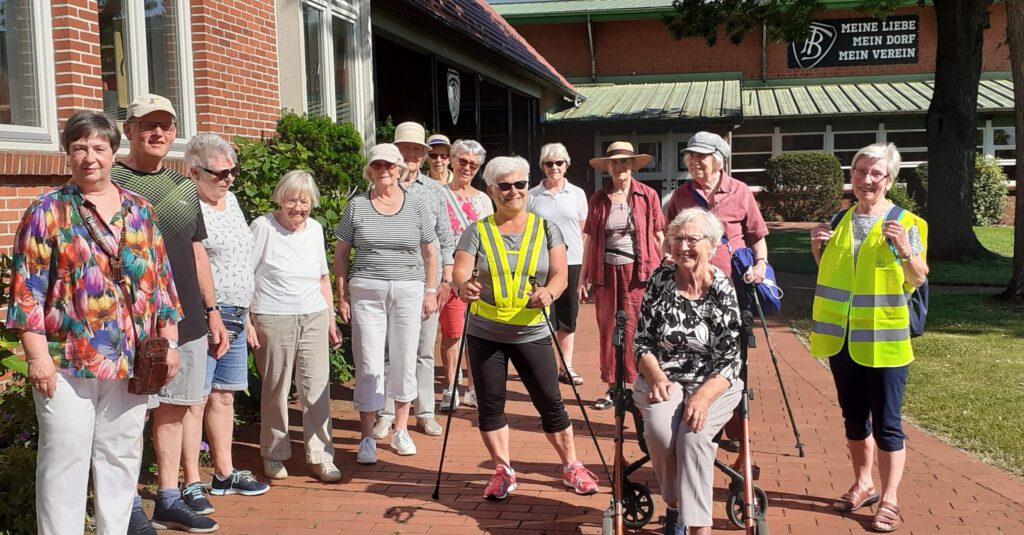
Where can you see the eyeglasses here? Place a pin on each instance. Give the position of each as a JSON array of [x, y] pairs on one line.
[[436, 155], [552, 163], [151, 126], [875, 175], [507, 186], [223, 174], [381, 164], [470, 164], [691, 241], [292, 203]]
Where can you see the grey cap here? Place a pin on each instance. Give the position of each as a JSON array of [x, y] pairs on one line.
[[707, 143]]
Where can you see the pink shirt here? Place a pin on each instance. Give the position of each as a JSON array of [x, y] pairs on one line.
[[734, 204]]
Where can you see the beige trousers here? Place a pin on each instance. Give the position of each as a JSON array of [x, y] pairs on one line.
[[294, 344]]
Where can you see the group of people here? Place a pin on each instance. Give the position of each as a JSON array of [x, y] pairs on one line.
[[132, 249]]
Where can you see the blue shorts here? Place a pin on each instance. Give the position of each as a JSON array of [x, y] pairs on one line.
[[871, 400], [231, 371]]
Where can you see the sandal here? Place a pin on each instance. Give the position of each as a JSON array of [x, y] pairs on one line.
[[604, 403], [569, 376], [887, 518], [854, 499]]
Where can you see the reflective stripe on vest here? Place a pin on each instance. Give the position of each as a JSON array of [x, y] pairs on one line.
[[866, 302], [511, 287]]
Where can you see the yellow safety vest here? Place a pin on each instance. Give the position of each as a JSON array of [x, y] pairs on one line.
[[511, 287], [866, 303]]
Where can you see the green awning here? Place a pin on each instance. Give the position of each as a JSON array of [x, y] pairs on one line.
[[706, 101], [883, 98]]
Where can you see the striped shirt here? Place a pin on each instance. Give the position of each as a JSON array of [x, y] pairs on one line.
[[387, 246]]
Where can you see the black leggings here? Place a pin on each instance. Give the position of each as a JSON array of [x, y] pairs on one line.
[[535, 363]]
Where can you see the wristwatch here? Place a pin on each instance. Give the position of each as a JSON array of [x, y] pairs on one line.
[[211, 309], [172, 344]]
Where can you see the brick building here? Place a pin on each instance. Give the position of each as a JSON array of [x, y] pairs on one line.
[[231, 66], [857, 80]]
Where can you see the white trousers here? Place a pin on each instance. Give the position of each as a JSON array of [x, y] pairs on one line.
[[424, 405], [385, 312], [88, 423]]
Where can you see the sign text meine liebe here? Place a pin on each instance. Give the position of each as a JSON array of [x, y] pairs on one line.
[[861, 41]]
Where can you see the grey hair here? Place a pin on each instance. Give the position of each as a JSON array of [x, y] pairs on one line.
[[296, 181], [880, 151], [468, 146], [88, 123], [717, 155], [712, 227], [204, 147], [556, 150], [504, 166]]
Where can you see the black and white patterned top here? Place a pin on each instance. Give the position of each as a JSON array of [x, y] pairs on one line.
[[229, 244], [692, 339]]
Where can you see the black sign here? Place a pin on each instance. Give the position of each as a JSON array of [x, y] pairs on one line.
[[850, 42]]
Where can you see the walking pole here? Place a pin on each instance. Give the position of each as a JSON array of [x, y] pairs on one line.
[[778, 373], [575, 392], [619, 393], [451, 406]]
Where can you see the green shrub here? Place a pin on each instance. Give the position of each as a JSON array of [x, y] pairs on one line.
[[917, 187], [899, 196], [990, 190], [803, 186], [17, 491]]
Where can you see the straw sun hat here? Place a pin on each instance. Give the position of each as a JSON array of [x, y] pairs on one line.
[[620, 150]]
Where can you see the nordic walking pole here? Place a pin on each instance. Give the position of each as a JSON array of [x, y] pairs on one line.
[[778, 373], [451, 406], [575, 392]]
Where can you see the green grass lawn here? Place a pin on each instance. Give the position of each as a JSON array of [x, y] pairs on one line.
[[790, 251]]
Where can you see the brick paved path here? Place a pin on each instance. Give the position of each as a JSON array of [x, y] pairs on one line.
[[943, 491]]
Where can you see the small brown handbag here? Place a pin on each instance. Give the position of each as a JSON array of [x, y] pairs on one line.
[[150, 369]]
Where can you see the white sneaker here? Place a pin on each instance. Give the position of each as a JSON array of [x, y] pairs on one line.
[[446, 400], [367, 451], [430, 426], [274, 469], [382, 427], [469, 399], [327, 472], [402, 443]]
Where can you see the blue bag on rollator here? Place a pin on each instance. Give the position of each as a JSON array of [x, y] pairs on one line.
[[768, 292]]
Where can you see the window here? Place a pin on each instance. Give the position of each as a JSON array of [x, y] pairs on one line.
[[328, 39], [27, 114], [145, 48], [1004, 142], [749, 155], [846, 144]]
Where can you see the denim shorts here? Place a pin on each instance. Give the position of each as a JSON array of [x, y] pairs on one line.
[[231, 371]]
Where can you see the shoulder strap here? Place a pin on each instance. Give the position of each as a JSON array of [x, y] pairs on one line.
[[454, 201], [697, 198], [893, 214], [836, 219]]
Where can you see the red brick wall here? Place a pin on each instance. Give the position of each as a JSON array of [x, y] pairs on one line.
[[644, 47]]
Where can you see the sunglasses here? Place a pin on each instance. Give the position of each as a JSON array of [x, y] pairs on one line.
[[381, 164], [224, 174], [436, 155], [507, 186], [552, 163], [151, 126], [466, 163]]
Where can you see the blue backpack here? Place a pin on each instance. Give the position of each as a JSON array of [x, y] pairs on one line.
[[917, 305]]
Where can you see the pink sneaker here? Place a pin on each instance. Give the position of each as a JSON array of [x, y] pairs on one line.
[[580, 479], [501, 484]]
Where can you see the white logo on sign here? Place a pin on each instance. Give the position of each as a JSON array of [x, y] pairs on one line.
[[811, 51], [454, 94]]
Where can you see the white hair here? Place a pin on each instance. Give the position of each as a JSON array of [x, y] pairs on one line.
[[711, 227], [468, 146], [880, 151], [505, 165], [203, 148], [296, 181], [555, 150]]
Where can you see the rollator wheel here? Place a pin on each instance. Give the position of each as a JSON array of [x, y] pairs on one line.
[[637, 505], [734, 506]]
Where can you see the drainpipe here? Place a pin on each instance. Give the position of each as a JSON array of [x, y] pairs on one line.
[[593, 57], [764, 52]]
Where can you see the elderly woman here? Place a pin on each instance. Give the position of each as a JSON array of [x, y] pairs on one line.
[[439, 157], [382, 293], [466, 205], [565, 205], [213, 166], [291, 325], [68, 289], [870, 255], [506, 321], [687, 351], [733, 204], [622, 241]]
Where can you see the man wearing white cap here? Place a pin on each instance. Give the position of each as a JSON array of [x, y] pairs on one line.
[[151, 126], [409, 138]]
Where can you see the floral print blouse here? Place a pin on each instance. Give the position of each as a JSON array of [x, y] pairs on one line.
[[61, 284], [692, 339]]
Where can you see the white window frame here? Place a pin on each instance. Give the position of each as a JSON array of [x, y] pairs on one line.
[[138, 68], [43, 137], [349, 13]]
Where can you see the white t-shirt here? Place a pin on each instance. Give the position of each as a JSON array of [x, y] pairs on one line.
[[288, 267], [229, 245], [568, 210]]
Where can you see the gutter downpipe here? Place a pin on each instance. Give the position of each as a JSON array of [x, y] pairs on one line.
[[764, 52], [593, 57]]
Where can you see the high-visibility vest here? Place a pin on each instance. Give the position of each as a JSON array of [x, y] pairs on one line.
[[865, 304], [511, 286]]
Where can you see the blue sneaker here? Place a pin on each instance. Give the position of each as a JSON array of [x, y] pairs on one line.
[[239, 482], [195, 498], [671, 521], [138, 524], [179, 516]]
